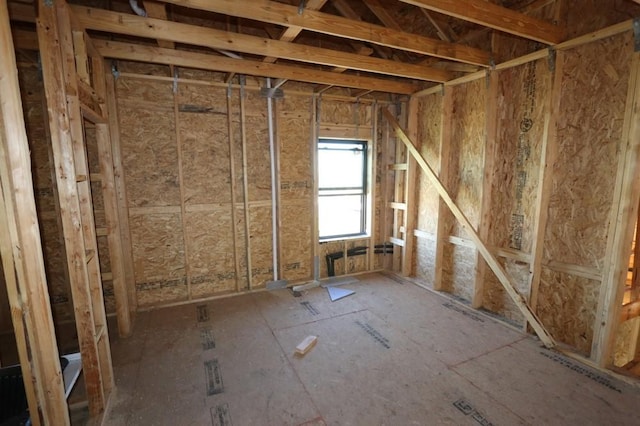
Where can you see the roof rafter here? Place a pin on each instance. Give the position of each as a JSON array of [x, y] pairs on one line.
[[283, 14], [500, 18], [158, 55], [133, 25]]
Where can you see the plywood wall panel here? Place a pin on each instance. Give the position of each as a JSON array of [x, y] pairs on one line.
[[589, 134]]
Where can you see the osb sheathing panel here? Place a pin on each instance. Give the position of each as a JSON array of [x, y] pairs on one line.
[[210, 252], [425, 260], [626, 336], [359, 263], [260, 237], [589, 134], [458, 270], [296, 239], [206, 171], [148, 140], [567, 307], [342, 112], [496, 299], [595, 14], [465, 184], [328, 248], [294, 127], [429, 131], [522, 95], [294, 137], [257, 139], [158, 258], [468, 132]]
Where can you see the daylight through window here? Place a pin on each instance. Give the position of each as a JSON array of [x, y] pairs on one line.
[[342, 195]]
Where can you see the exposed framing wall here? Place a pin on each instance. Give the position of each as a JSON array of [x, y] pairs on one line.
[[552, 183], [210, 150]]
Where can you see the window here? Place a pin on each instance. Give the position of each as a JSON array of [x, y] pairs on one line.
[[342, 188]]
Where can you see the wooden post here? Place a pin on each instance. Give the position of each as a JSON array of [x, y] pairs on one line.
[[120, 189], [493, 263], [490, 153], [65, 122], [183, 209], [31, 308], [245, 184], [410, 188], [116, 254], [623, 217], [444, 222]]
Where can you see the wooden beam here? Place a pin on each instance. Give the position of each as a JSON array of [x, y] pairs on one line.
[[496, 17], [23, 39], [159, 11], [292, 31], [22, 254], [121, 23], [324, 23], [621, 225], [491, 260], [118, 50]]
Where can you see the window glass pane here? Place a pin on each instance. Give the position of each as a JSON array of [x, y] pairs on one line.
[[340, 215], [340, 165]]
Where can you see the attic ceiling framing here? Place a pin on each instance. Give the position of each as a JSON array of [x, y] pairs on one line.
[[382, 56]]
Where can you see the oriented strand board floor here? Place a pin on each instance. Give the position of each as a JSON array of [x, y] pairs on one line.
[[392, 354]]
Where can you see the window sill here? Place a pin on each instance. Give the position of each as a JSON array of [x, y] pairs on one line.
[[346, 238]]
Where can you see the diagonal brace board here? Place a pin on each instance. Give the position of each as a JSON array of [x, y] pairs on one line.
[[491, 260]]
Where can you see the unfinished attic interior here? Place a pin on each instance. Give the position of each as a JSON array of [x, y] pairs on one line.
[[319, 212]]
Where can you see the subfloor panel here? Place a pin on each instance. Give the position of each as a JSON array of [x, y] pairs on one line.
[[391, 354]]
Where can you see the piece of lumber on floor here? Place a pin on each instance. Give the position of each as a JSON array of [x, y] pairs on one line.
[[306, 345]]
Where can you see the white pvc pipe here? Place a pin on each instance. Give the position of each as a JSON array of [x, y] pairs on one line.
[[136, 8], [274, 198]]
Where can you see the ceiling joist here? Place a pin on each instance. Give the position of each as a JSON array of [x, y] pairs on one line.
[[497, 17], [157, 55], [133, 25], [283, 14]]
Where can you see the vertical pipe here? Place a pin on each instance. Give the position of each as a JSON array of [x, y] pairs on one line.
[[274, 198]]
